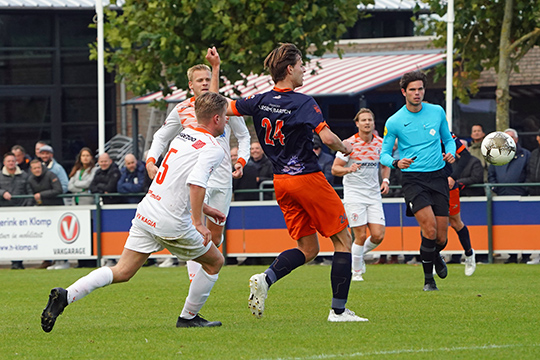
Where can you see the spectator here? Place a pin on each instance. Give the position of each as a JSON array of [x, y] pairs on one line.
[[106, 179], [23, 159], [257, 170], [477, 135], [81, 176], [37, 149], [132, 179], [44, 184], [513, 172], [13, 181], [46, 153], [325, 160], [46, 187], [472, 173]]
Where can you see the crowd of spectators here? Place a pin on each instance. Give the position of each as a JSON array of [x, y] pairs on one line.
[[44, 178]]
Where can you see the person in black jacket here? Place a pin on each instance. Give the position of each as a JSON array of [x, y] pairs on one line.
[[106, 179], [13, 181], [257, 169], [44, 184], [473, 173]]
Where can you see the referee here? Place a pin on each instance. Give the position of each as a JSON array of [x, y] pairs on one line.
[[419, 128]]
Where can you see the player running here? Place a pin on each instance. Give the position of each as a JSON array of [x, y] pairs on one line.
[[420, 128], [219, 191], [361, 189], [285, 121], [169, 216]]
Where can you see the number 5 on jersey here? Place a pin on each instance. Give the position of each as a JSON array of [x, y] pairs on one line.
[[278, 135], [161, 175]]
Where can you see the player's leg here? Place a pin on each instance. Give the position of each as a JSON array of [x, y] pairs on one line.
[[218, 198], [200, 288], [428, 225], [59, 298], [357, 251], [130, 261], [357, 216], [376, 223], [340, 276], [465, 240]]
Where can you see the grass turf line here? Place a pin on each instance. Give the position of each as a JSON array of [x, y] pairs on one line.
[[492, 314]]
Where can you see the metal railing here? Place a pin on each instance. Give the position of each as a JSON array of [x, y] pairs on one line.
[[488, 188]]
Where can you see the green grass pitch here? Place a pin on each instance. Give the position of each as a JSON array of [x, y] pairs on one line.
[[492, 315]]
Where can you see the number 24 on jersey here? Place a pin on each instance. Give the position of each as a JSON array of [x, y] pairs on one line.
[[278, 135]]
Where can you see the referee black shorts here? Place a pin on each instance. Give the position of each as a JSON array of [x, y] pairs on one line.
[[422, 189]]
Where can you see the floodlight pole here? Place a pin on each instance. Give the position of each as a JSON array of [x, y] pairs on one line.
[[449, 62], [101, 78]]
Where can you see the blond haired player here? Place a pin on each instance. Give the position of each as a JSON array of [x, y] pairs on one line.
[[361, 189], [219, 192], [169, 216]]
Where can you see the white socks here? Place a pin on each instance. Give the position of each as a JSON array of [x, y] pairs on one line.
[[199, 290], [96, 279], [368, 245], [357, 252], [192, 268]]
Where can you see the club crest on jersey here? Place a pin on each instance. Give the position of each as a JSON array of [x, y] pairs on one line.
[[317, 110], [198, 144]]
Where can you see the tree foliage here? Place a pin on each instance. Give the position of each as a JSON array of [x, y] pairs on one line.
[[489, 35], [153, 43]]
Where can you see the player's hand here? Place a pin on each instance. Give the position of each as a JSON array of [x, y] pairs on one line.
[[354, 167], [37, 197], [238, 171], [152, 170], [206, 234], [213, 57], [348, 148], [215, 214], [7, 196], [451, 183], [449, 158], [385, 188], [405, 163]]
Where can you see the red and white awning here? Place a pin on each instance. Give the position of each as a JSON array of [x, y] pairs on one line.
[[350, 75]]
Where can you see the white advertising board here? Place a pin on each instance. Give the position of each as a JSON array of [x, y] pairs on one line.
[[45, 233]]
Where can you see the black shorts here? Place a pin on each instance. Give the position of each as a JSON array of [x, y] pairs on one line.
[[422, 189]]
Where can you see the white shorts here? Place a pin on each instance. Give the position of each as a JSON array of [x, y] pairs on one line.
[[360, 214], [187, 247], [219, 198]]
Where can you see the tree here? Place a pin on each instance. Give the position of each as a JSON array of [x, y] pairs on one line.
[[153, 43], [489, 34]]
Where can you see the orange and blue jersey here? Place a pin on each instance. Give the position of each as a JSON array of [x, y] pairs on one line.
[[285, 121]]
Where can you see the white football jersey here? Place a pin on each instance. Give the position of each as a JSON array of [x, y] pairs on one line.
[[192, 157], [183, 117], [362, 185]]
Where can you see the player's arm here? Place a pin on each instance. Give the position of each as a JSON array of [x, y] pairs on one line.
[[161, 139], [333, 141], [385, 185], [389, 140], [241, 132], [339, 168], [212, 56]]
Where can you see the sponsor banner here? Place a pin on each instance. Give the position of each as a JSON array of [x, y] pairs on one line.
[[45, 233]]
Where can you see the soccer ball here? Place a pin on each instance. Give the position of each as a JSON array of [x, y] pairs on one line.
[[498, 148]]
